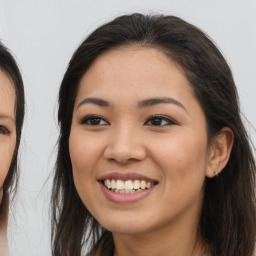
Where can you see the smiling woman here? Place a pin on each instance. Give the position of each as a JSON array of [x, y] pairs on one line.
[[153, 157], [11, 119]]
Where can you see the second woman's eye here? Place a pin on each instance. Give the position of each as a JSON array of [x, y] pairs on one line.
[[94, 120], [159, 120]]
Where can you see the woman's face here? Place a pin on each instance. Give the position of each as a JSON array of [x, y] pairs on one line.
[[138, 143], [7, 126]]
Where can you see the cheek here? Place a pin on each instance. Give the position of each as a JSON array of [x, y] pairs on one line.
[[182, 157], [6, 153], [4, 167], [83, 153], [181, 161]]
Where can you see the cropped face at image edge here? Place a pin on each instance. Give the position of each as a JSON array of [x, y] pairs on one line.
[[138, 143], [7, 126]]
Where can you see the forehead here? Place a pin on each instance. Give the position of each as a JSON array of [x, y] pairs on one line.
[[136, 60], [131, 66], [134, 70], [7, 96]]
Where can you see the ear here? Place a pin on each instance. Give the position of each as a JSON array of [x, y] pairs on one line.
[[219, 152]]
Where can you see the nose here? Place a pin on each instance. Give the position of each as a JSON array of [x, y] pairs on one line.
[[125, 145]]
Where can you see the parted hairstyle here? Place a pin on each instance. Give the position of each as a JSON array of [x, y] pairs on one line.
[[228, 217], [9, 67]]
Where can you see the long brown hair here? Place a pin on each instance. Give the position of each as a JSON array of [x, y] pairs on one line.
[[228, 218]]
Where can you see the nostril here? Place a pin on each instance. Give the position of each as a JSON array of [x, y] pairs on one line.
[[124, 154], [124, 145]]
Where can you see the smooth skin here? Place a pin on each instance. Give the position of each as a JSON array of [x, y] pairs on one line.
[[7, 146], [146, 120]]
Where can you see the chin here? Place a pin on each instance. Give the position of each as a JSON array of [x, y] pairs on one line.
[[126, 224]]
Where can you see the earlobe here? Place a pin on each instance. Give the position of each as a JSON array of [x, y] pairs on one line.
[[219, 152]]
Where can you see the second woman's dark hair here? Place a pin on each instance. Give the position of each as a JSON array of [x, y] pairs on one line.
[[228, 218]]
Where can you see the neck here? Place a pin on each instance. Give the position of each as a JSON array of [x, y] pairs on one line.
[[176, 239], [154, 246]]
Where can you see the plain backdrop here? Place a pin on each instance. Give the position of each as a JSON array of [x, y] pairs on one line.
[[43, 34]]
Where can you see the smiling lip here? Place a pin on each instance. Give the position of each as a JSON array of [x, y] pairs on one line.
[[125, 176], [125, 198]]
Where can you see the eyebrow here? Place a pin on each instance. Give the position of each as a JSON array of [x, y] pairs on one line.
[[141, 104], [96, 101], [162, 100]]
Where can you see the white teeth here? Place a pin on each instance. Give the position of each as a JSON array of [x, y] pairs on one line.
[[128, 186], [143, 184], [113, 184], [109, 184], [136, 184], [119, 184]]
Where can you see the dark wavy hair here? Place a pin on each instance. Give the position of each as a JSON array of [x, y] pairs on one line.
[[9, 66], [228, 218]]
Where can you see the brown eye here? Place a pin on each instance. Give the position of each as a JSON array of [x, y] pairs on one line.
[[94, 120], [159, 121]]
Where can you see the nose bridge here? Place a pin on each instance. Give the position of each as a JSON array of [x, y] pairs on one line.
[[125, 143]]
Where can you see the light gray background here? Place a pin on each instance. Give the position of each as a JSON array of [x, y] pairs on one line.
[[43, 35]]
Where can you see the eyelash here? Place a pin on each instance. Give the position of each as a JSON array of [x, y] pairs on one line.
[[88, 120], [91, 118], [161, 118], [3, 130]]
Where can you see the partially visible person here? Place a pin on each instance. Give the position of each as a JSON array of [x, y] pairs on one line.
[[11, 121], [153, 158]]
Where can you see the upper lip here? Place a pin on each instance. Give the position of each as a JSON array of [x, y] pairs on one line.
[[125, 176]]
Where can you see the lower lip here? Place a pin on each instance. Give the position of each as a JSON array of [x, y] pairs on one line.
[[124, 198]]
